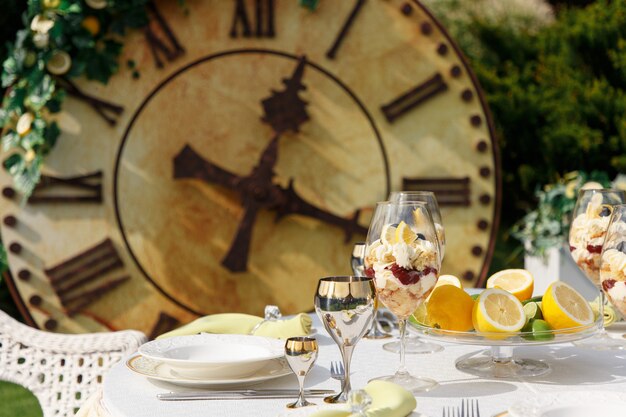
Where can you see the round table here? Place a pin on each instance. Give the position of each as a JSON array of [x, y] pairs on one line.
[[126, 394]]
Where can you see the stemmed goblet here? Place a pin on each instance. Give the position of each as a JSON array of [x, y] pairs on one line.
[[613, 261], [301, 353], [358, 269], [587, 234], [403, 257], [345, 305], [415, 344]]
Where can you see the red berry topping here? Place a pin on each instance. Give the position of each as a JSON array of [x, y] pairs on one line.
[[409, 276], [608, 284], [594, 248], [369, 272]]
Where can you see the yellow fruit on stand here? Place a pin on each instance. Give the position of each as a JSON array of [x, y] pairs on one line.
[[498, 314], [450, 308], [388, 234], [448, 280], [563, 307], [518, 282], [421, 315]]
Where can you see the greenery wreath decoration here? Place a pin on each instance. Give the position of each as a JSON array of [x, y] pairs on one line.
[[63, 39]]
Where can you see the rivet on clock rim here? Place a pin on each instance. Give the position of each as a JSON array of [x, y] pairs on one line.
[[467, 95], [482, 146], [51, 324], [476, 120], [455, 71], [485, 199], [10, 220], [35, 300], [485, 172], [15, 248], [24, 274], [406, 9], [8, 192], [477, 251], [442, 49], [426, 28], [468, 275], [482, 224]]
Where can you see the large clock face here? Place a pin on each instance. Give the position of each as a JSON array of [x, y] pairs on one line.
[[243, 163]]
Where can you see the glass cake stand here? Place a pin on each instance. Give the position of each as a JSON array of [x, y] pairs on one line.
[[501, 363]]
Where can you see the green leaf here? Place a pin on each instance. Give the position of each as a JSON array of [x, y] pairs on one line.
[[42, 93], [51, 135], [10, 71], [10, 140], [14, 164]]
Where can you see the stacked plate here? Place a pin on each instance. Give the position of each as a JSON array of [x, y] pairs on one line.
[[207, 360]]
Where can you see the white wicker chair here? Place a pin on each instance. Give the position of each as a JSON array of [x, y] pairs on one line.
[[61, 370]]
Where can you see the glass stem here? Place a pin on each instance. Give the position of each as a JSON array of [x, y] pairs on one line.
[[347, 358], [301, 384], [402, 327]]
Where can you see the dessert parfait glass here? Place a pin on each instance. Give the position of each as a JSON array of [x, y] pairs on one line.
[[613, 261], [402, 256], [415, 344], [591, 217]]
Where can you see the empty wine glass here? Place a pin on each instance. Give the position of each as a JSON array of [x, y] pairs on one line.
[[587, 233], [414, 344], [345, 305], [301, 353], [356, 261], [613, 261], [403, 257]]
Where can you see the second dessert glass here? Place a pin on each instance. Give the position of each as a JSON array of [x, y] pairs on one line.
[[403, 257], [587, 234]]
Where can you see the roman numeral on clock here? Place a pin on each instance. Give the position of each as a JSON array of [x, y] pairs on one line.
[[87, 276], [414, 97], [332, 52], [164, 324], [166, 46], [78, 189], [448, 191], [110, 112], [263, 19]]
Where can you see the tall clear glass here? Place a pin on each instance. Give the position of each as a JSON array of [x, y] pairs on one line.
[[587, 233], [414, 344], [402, 255], [613, 262]]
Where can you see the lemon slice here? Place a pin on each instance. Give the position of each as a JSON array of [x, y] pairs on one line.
[[518, 282], [96, 4], [59, 63], [388, 234], [563, 307], [498, 311], [405, 234], [24, 123]]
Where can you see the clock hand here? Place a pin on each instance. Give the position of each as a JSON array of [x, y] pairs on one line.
[[292, 203], [188, 164]]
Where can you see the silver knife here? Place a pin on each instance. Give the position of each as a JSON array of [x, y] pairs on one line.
[[240, 394]]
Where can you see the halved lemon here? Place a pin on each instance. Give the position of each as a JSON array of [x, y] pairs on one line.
[[448, 280], [498, 311], [450, 308], [405, 234], [563, 307], [59, 63], [388, 234], [518, 282]]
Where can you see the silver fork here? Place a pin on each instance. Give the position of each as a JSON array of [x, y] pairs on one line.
[[336, 371], [450, 412], [469, 408]]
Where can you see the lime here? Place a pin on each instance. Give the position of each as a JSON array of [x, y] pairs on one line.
[[535, 299], [532, 311], [475, 296], [540, 330]]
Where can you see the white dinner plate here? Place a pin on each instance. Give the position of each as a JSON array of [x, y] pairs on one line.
[[572, 404], [160, 371], [206, 355]]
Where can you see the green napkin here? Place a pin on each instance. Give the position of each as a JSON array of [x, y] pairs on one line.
[[236, 323], [388, 400]]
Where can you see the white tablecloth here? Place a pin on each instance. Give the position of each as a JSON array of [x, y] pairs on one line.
[[126, 394]]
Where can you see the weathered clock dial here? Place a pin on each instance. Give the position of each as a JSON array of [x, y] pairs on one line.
[[245, 160]]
